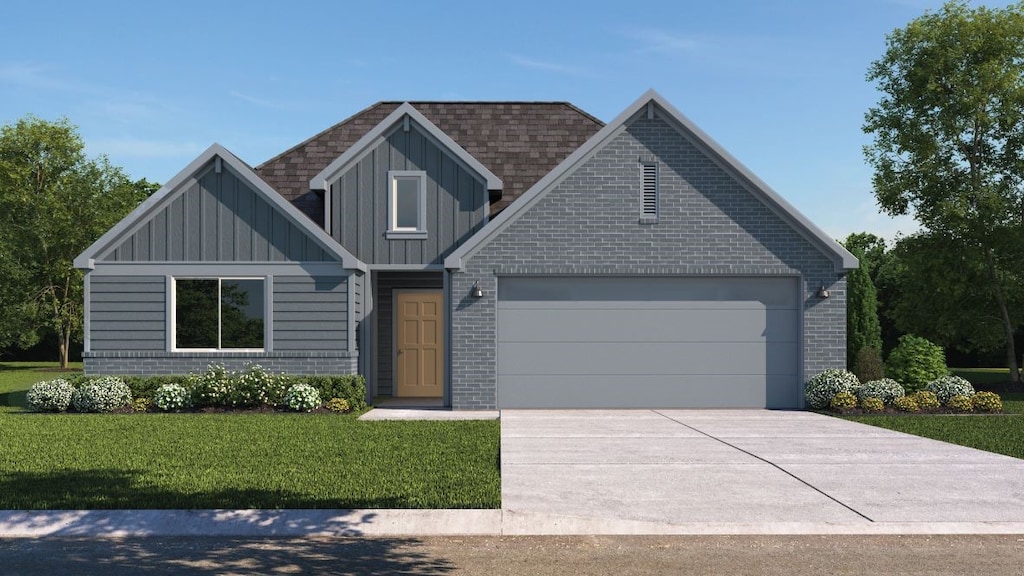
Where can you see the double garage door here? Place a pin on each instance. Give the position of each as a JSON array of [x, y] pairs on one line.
[[615, 342]]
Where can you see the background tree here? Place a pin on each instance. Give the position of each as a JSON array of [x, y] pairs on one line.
[[862, 328], [948, 141], [54, 202]]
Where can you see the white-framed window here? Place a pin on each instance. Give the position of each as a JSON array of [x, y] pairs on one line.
[[407, 203], [219, 313], [649, 186]]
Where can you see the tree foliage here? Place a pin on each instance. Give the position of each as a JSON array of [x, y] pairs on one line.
[[862, 327], [54, 202], [948, 140]]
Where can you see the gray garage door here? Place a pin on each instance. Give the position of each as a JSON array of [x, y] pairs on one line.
[[573, 342]]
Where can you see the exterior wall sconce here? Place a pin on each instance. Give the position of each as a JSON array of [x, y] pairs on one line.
[[823, 292], [476, 292]]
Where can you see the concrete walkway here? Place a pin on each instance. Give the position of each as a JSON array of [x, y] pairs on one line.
[[655, 472]]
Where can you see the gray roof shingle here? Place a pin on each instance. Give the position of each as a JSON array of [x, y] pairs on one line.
[[519, 141]]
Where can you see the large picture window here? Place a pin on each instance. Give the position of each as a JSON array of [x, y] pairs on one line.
[[218, 313]]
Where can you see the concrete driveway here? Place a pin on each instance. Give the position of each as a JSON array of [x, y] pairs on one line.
[[657, 471]]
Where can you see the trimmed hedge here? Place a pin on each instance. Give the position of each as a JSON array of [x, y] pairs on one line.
[[241, 387]]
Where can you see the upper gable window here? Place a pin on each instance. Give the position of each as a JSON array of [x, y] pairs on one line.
[[407, 204], [649, 188]]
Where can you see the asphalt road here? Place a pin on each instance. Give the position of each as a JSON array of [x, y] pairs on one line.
[[493, 556]]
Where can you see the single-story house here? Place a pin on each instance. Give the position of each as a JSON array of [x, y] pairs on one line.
[[491, 254]]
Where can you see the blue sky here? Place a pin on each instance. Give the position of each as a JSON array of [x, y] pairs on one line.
[[780, 84]]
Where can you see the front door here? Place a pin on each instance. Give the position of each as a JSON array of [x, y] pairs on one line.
[[419, 344]]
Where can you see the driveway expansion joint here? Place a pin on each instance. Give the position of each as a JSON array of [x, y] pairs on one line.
[[770, 463]]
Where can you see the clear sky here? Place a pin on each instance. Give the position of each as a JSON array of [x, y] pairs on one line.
[[151, 84]]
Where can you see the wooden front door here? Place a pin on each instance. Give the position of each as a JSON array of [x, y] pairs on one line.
[[419, 344]]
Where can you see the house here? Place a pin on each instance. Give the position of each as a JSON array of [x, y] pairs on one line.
[[489, 254]]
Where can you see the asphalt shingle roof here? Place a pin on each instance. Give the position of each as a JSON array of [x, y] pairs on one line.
[[519, 141]]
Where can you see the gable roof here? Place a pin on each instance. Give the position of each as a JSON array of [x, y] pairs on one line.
[[130, 223], [406, 110], [844, 260], [519, 142]]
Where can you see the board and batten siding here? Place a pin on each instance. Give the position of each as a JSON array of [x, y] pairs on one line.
[[128, 313], [456, 201], [218, 218]]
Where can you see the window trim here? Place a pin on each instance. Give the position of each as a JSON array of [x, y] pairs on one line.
[[172, 312], [650, 194], [393, 231]]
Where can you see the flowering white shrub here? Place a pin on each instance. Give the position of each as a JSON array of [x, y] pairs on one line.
[[946, 387], [104, 394], [820, 389], [50, 396], [302, 398], [211, 388], [257, 387], [170, 397], [885, 389]]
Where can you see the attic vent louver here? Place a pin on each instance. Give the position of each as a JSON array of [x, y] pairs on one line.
[[649, 193]]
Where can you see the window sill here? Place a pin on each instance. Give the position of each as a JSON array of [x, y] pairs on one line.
[[405, 235], [648, 219]]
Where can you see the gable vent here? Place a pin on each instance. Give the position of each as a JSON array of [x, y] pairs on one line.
[[649, 195]]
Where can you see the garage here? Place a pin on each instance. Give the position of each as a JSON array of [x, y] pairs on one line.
[[645, 342]]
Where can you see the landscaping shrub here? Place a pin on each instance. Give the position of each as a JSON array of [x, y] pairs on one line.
[[302, 397], [885, 389], [337, 405], [905, 404], [960, 404], [868, 365], [104, 394], [172, 398], [820, 389], [256, 387], [211, 388], [926, 399], [50, 396], [987, 402], [947, 387], [141, 405], [915, 362], [349, 387], [872, 404], [843, 400]]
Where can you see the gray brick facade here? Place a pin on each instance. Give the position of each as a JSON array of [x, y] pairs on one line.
[[709, 224], [148, 363]]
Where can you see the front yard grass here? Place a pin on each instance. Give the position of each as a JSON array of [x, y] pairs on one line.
[[245, 460], [999, 433]]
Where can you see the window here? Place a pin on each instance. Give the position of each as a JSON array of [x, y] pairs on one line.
[[407, 203], [649, 191], [218, 314]]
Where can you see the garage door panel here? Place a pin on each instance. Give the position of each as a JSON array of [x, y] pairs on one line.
[[658, 325], [594, 358], [644, 392], [619, 342]]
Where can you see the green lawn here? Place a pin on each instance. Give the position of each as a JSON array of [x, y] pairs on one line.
[[996, 433], [17, 377], [271, 460]]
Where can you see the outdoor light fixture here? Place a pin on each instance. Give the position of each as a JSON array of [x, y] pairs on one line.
[[823, 292], [477, 292]]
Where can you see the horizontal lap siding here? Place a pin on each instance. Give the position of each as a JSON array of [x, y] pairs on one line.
[[127, 313], [310, 313]]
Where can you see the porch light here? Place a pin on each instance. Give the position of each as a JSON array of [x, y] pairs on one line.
[[823, 292], [477, 292]]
